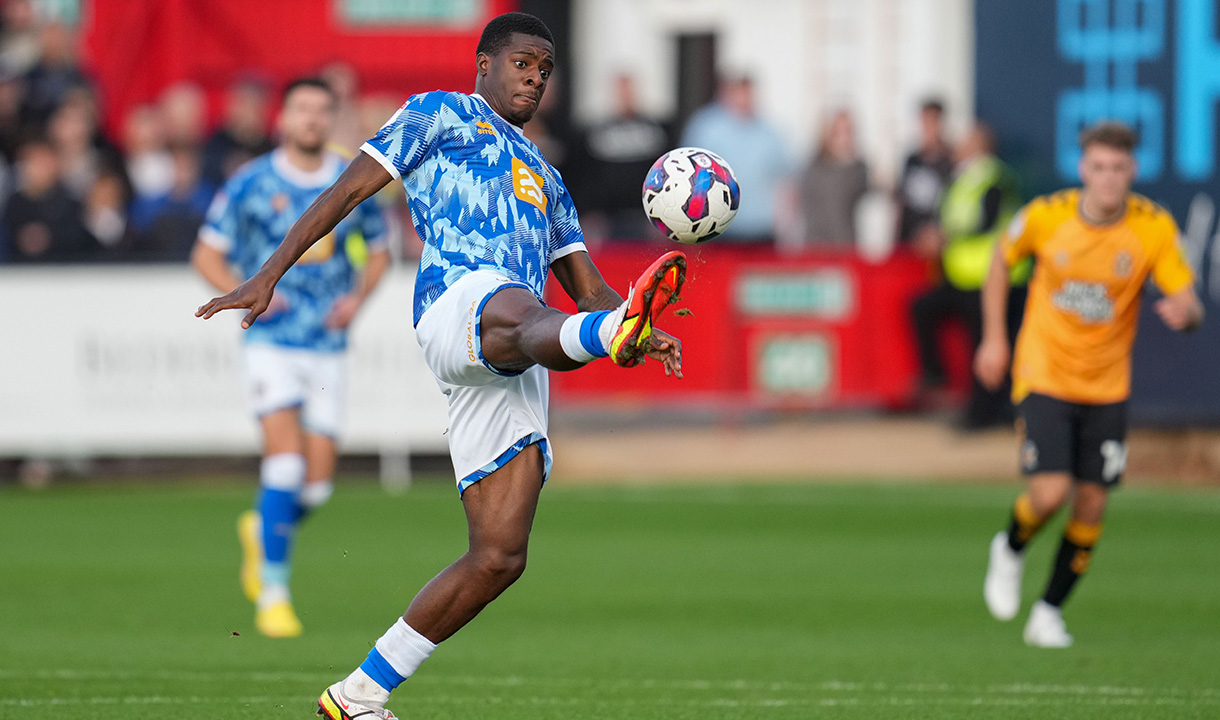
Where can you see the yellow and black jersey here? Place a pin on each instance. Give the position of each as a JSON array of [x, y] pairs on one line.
[[1080, 319]]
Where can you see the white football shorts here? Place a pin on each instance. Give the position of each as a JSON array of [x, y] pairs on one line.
[[280, 377], [493, 416]]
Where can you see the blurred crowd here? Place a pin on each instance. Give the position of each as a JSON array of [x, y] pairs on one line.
[[70, 193]]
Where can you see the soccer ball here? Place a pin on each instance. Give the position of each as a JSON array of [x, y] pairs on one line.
[[691, 195]]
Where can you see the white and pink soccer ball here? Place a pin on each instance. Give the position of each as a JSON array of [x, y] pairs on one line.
[[691, 195]]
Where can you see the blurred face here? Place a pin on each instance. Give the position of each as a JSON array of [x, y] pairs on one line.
[[1107, 174], [514, 80], [739, 97], [306, 119], [930, 125]]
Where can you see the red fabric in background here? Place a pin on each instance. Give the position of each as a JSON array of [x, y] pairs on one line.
[[136, 48], [873, 359]]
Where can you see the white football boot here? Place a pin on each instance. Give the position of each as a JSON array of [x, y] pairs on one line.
[[335, 705], [1002, 586], [1046, 628]]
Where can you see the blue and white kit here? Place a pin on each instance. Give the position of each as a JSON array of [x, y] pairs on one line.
[[292, 358], [492, 214]]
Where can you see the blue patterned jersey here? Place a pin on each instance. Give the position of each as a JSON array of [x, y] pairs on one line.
[[250, 217], [481, 194]]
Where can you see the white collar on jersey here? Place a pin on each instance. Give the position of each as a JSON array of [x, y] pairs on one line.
[[304, 178], [483, 100]]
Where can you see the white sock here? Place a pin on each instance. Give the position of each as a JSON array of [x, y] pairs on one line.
[[404, 648], [315, 494], [272, 593], [586, 336]]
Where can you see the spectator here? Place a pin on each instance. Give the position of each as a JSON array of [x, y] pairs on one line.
[[832, 184], [84, 154], [348, 133], [183, 108], [19, 43], [53, 76], [149, 162], [165, 227], [243, 134], [42, 221], [977, 207], [613, 157], [12, 97], [731, 128], [925, 174]]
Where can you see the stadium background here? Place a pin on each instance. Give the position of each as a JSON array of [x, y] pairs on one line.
[[777, 537], [803, 339]]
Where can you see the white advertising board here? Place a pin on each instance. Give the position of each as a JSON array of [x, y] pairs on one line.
[[110, 360]]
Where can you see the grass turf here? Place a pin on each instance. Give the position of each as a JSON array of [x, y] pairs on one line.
[[769, 602]]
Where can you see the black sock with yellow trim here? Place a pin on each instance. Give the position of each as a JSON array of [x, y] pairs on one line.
[[1075, 554], [1024, 524]]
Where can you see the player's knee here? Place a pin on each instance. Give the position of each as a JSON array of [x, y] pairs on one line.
[[501, 567]]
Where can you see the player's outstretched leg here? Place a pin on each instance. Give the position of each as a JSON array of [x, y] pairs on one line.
[[500, 513], [518, 332]]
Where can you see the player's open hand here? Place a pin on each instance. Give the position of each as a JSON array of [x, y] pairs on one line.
[[668, 349], [254, 294], [991, 362]]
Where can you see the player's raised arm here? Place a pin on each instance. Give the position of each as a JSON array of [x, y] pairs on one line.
[[363, 177]]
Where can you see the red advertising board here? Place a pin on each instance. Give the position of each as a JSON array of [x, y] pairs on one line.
[[822, 329]]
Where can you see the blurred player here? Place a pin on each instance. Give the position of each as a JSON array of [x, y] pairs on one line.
[[495, 217], [1094, 248], [295, 363]]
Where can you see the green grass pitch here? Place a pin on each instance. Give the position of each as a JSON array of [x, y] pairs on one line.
[[752, 602]]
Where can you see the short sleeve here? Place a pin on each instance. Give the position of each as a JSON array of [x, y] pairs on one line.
[[566, 235], [1171, 270], [221, 226], [408, 136], [1018, 241]]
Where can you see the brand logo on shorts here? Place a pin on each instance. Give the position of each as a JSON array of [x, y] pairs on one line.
[[470, 354], [527, 185], [1029, 456]]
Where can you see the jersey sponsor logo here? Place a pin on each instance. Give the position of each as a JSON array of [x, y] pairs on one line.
[[527, 185], [1123, 264], [482, 127], [1089, 301]]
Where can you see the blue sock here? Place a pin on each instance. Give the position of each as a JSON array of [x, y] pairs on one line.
[[580, 336], [282, 476], [379, 669]]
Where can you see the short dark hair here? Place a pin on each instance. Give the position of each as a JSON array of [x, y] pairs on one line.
[[1109, 134], [932, 105], [309, 82], [497, 33]]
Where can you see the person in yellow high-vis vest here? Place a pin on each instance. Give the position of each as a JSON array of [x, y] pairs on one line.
[[977, 205]]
